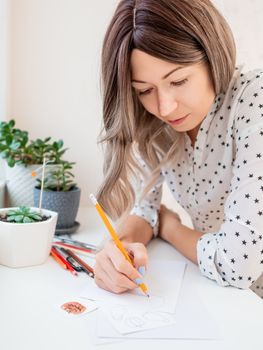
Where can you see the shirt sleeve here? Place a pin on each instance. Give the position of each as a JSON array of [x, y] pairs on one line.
[[148, 207], [234, 255]]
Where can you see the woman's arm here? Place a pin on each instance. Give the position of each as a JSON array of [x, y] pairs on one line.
[[180, 236], [184, 239], [135, 229]]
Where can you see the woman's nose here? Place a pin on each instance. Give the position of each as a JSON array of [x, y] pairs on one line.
[[166, 105]]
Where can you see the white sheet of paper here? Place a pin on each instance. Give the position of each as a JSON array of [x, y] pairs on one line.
[[192, 321], [133, 311]]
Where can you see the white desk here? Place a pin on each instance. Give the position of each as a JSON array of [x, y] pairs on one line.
[[29, 298]]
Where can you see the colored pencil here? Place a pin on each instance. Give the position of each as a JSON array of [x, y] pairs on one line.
[[80, 250], [88, 269], [57, 258], [69, 267], [75, 243]]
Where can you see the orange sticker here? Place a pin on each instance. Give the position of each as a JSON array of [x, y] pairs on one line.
[[73, 307]]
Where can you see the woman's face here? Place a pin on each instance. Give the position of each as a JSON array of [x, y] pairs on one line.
[[181, 96]]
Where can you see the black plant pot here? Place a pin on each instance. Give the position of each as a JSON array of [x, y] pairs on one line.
[[66, 204]]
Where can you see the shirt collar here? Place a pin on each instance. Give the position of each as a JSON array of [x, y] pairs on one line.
[[206, 122]]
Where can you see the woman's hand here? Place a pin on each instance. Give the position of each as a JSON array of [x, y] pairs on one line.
[[168, 223], [114, 273]]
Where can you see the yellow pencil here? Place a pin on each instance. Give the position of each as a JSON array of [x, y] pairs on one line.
[[114, 236]]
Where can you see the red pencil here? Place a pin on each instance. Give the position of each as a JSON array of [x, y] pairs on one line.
[[69, 267], [57, 258], [69, 246]]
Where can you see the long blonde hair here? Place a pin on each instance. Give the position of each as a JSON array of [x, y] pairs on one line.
[[180, 31]]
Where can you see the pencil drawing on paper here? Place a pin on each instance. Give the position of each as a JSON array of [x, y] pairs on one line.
[[139, 319], [135, 321], [118, 312]]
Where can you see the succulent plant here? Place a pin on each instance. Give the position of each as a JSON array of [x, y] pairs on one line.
[[23, 215]]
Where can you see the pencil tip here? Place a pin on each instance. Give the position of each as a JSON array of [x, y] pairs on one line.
[[148, 295]]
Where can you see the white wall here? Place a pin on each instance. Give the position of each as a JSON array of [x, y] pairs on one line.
[[55, 58], [4, 56], [245, 19], [55, 54], [4, 63]]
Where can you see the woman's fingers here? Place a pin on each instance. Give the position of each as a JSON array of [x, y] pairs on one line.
[[139, 254], [122, 265], [114, 273], [116, 277], [102, 284], [108, 278]]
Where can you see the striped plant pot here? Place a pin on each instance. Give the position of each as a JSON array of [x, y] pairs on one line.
[[20, 184]]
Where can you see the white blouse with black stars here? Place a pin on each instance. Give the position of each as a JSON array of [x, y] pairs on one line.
[[219, 183]]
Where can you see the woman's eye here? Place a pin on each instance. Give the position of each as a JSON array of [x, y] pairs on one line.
[[145, 92], [178, 83], [173, 83]]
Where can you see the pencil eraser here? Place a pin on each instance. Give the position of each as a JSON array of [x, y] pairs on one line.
[[93, 199]]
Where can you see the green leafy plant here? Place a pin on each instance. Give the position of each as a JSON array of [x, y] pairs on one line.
[[16, 148], [23, 215], [59, 179]]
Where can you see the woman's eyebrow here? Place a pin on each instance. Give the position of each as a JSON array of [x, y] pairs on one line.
[[164, 77]]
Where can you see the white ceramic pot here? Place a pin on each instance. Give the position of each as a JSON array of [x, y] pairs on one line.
[[26, 244]]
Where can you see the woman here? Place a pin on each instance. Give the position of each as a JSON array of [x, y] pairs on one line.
[[177, 110]]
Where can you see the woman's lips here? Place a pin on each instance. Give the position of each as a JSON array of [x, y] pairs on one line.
[[178, 121]]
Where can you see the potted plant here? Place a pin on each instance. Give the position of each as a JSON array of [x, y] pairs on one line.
[[60, 194], [22, 157], [26, 235]]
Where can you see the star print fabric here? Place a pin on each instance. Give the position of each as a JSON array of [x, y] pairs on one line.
[[219, 183]]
